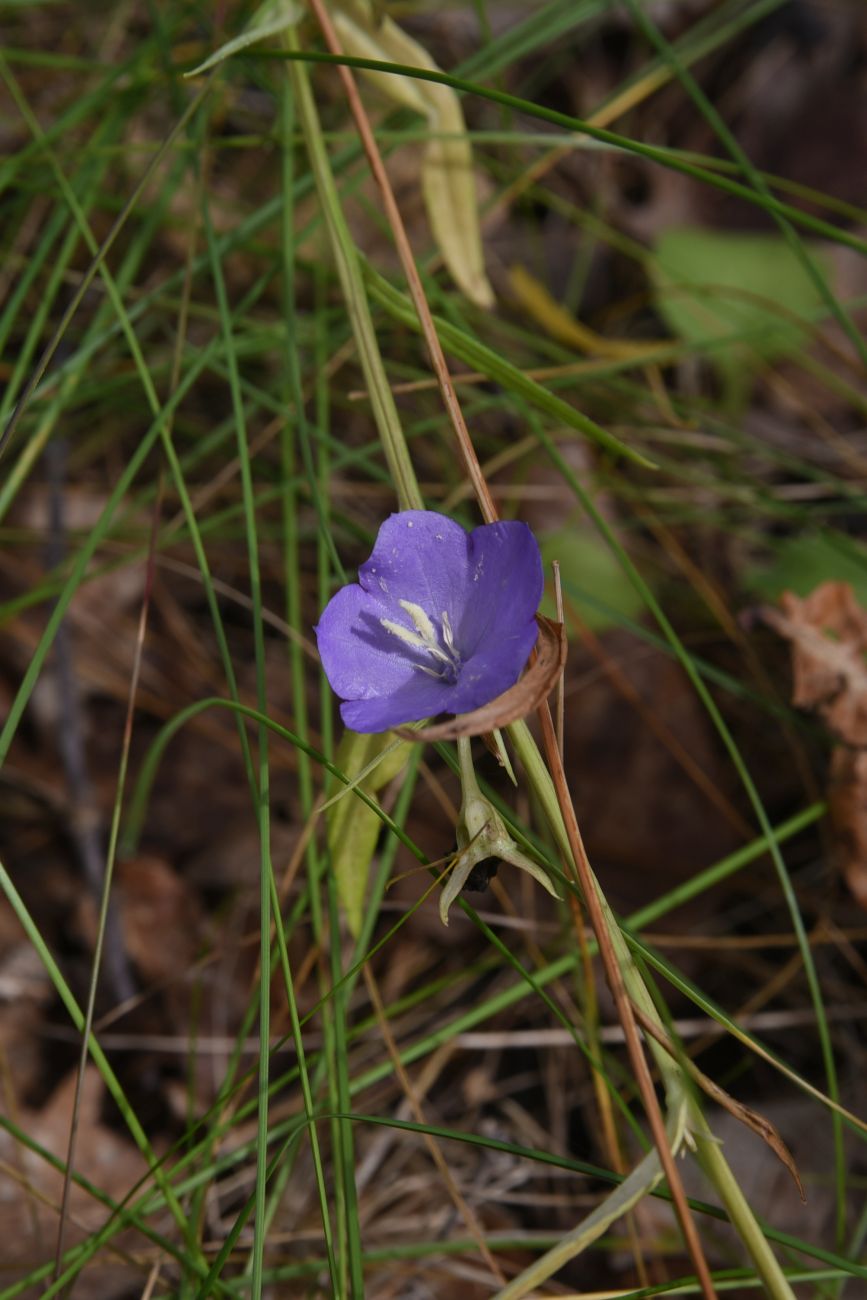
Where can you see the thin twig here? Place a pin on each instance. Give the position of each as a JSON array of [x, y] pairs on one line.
[[84, 818], [490, 514]]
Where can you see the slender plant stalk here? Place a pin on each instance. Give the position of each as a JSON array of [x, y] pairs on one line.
[[670, 158], [111, 858], [292, 433]]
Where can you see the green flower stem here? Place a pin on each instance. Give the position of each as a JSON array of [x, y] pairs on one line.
[[351, 281], [469, 784], [709, 1154]]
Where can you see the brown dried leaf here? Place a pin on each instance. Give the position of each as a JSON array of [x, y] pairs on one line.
[[847, 799], [31, 1186], [828, 633], [160, 918], [517, 702], [759, 1124]]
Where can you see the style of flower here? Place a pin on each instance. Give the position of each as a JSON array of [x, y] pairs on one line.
[[440, 620]]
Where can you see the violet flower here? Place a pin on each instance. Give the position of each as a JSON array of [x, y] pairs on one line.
[[440, 621]]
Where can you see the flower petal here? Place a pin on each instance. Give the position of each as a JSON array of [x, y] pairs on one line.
[[420, 697], [427, 573], [506, 584], [496, 665], [361, 659], [422, 557]]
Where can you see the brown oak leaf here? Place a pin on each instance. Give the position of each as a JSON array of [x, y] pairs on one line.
[[827, 631], [828, 634]]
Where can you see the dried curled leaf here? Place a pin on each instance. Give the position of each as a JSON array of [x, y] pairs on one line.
[[759, 1124], [847, 801], [518, 701]]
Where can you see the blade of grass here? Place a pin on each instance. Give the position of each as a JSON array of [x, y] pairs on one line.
[[99, 255], [665, 157]]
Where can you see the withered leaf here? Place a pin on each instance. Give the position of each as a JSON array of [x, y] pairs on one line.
[[828, 634], [759, 1124], [517, 702], [847, 800]]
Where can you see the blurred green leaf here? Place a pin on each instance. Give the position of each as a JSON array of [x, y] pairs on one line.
[[803, 562], [593, 580], [714, 284]]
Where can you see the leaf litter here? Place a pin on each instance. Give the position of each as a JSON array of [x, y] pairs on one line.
[[827, 635]]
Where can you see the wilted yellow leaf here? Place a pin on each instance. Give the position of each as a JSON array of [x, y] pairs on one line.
[[562, 325], [448, 183]]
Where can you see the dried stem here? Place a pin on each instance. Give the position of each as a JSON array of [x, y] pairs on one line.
[[346, 261], [106, 916]]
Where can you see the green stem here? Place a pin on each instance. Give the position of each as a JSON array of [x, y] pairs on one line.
[[709, 1154], [682, 1108], [469, 784]]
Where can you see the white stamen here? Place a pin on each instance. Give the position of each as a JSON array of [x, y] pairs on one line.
[[423, 625], [411, 638], [425, 638], [448, 635]]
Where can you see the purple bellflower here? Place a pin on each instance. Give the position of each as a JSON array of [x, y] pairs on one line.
[[440, 620]]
